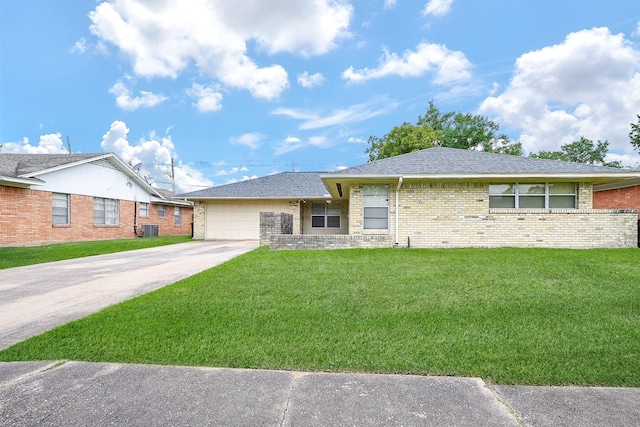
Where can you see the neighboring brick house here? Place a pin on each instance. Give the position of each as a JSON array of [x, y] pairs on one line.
[[46, 198], [438, 197], [617, 195]]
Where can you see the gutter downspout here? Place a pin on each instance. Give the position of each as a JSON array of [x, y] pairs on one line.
[[400, 179]]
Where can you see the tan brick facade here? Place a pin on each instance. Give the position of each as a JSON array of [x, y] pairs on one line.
[[457, 214], [26, 218], [199, 223]]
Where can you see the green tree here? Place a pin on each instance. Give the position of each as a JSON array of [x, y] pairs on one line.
[[581, 151], [402, 139], [634, 135], [437, 129]]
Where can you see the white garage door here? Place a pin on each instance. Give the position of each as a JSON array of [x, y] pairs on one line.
[[238, 220]]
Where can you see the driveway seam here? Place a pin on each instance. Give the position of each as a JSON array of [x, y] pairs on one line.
[[506, 404]]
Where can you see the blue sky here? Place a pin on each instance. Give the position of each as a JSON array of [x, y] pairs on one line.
[[235, 89]]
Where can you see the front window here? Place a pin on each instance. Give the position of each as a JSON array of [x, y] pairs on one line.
[[60, 209], [375, 206], [106, 211], [160, 211], [325, 215], [144, 209], [177, 218], [555, 195]]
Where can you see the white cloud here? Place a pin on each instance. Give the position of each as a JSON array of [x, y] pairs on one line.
[[48, 144], [354, 140], [451, 67], [163, 38], [437, 7], [128, 103], [208, 98], [390, 4], [636, 32], [155, 154], [251, 140], [293, 143], [588, 85], [232, 171], [627, 160], [80, 46], [355, 113], [308, 81]]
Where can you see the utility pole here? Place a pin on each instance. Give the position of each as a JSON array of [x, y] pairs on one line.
[[173, 176], [68, 144]]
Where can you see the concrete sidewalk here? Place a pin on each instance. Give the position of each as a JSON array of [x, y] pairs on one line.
[[36, 298], [95, 394]]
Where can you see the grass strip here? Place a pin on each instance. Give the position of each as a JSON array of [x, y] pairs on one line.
[[16, 256], [511, 316]]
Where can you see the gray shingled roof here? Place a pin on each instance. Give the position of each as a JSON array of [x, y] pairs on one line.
[[17, 165], [452, 161], [281, 185]]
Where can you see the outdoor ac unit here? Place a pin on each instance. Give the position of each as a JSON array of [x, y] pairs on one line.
[[149, 230]]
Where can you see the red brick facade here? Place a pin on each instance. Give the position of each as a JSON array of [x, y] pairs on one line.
[[619, 198], [26, 218]]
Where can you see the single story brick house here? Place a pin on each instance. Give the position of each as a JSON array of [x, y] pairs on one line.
[[438, 197], [47, 198]]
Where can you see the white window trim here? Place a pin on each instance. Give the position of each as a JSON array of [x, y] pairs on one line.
[[105, 217], [68, 206], [516, 195], [364, 206], [177, 216], [146, 210]]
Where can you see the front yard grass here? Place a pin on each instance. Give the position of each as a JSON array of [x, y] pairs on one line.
[[511, 316], [17, 256]]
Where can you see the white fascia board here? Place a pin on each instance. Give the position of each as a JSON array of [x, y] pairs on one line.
[[11, 181], [67, 165], [324, 197]]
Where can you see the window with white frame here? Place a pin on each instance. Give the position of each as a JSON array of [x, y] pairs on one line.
[[106, 211], [550, 195], [144, 209], [325, 215], [60, 209], [375, 207], [177, 216], [160, 211]]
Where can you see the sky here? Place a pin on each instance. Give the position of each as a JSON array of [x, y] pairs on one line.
[[238, 89]]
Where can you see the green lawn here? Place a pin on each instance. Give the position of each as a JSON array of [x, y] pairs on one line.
[[27, 255], [511, 316]]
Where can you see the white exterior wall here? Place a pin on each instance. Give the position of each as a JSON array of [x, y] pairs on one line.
[[93, 180]]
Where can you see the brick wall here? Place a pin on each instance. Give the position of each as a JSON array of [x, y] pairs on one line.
[[327, 241], [619, 198], [199, 220], [275, 223], [166, 225], [457, 214], [26, 218]]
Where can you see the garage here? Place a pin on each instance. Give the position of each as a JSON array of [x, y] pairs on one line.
[[232, 211], [239, 220]]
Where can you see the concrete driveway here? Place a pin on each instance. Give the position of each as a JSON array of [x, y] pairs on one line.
[[36, 298]]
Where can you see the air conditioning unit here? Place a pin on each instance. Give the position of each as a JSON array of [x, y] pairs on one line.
[[149, 230]]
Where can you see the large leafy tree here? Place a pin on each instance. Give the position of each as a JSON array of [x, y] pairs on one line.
[[402, 139], [437, 129], [581, 151]]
